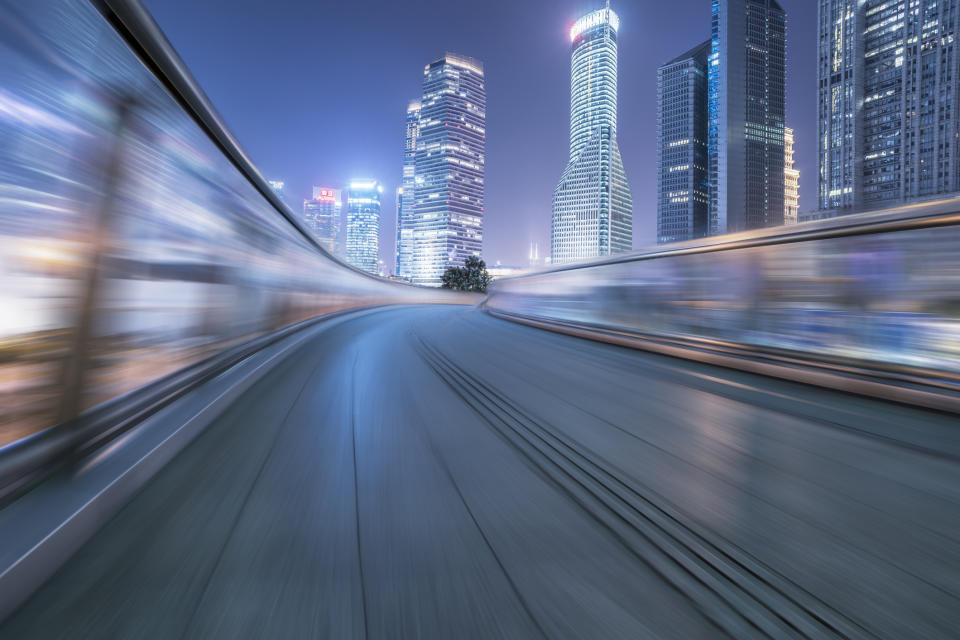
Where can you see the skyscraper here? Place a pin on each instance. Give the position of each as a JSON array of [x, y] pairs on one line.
[[683, 188], [363, 225], [592, 204], [745, 105], [405, 194], [889, 126], [322, 216], [791, 181], [840, 123], [447, 219]]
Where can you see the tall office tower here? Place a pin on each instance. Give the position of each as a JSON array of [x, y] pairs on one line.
[[791, 181], [683, 189], [322, 216], [592, 204], [405, 195], [363, 225], [447, 220], [745, 106], [840, 85], [889, 122]]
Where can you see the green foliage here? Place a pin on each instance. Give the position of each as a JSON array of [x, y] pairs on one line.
[[472, 276]]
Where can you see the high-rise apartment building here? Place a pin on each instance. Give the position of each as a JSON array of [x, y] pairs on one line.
[[889, 127], [683, 188], [746, 87], [405, 194], [322, 215], [447, 219], [791, 181], [592, 204], [363, 225]]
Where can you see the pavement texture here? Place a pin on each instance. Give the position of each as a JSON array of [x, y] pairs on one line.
[[433, 472]]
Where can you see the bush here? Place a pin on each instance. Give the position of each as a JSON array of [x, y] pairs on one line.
[[472, 276]]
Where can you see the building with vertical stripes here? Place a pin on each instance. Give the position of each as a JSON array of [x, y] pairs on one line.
[[447, 218], [592, 204], [683, 189]]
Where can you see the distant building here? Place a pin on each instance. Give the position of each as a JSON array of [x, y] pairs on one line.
[[746, 91], [363, 225], [322, 215], [535, 258], [791, 181], [405, 194], [889, 128], [592, 204], [447, 217], [683, 190]]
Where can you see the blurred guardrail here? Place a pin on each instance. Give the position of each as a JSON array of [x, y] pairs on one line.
[[139, 247], [874, 293]]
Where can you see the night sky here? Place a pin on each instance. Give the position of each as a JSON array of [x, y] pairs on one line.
[[316, 92]]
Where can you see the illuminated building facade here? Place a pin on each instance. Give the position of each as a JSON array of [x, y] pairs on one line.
[[840, 85], [363, 225], [746, 99], [405, 194], [592, 205], [791, 181], [447, 219], [322, 215], [683, 186], [888, 120]]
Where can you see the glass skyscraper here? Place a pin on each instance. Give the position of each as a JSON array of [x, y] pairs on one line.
[[888, 122], [839, 74], [746, 102], [683, 187], [363, 225], [322, 216], [405, 194], [446, 223], [592, 204]]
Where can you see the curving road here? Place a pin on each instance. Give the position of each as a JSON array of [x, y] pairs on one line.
[[433, 472]]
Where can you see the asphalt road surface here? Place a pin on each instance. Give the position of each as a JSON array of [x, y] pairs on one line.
[[433, 472]]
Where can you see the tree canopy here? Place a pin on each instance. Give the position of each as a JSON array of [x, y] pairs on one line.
[[472, 276]]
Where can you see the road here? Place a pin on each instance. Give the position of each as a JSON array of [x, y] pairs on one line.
[[433, 472]]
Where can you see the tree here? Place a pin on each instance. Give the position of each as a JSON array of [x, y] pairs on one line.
[[472, 276]]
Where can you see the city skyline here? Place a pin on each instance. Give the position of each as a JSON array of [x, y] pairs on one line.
[[527, 63]]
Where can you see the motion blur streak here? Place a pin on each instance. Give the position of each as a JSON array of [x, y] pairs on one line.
[[878, 290], [130, 246]]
